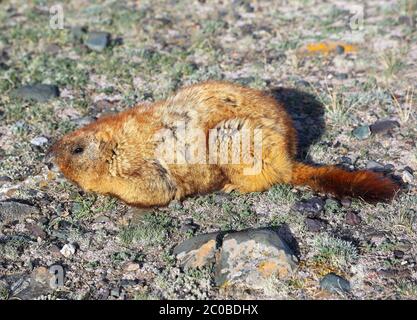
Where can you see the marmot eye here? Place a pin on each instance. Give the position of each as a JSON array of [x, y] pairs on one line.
[[78, 150]]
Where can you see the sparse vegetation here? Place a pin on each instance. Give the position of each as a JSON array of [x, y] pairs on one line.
[[334, 252], [156, 48], [153, 230]]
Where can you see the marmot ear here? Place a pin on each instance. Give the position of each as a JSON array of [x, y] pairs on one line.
[[103, 136]]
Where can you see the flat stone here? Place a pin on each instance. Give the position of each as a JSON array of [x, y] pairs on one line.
[[407, 20], [352, 218], [341, 76], [97, 40], [383, 126], [375, 166], [389, 167], [251, 257], [407, 177], [30, 286], [78, 32], [37, 92], [334, 284], [198, 251], [39, 141], [5, 179], [346, 202], [398, 254], [314, 225], [340, 49], [15, 211], [311, 207], [36, 230], [68, 250], [362, 132], [189, 227], [377, 238], [132, 266]]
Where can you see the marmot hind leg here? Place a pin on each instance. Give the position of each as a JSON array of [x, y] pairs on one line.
[[270, 162]]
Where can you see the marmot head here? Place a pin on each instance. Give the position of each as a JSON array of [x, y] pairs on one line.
[[82, 156]]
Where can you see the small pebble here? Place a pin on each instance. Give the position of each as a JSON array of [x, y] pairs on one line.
[[352, 218], [373, 165], [341, 76], [383, 126], [389, 167], [312, 207], [97, 41], [5, 179], [39, 141], [345, 159], [346, 202], [334, 284], [398, 254], [68, 250], [362, 132], [407, 177], [340, 49], [314, 225]]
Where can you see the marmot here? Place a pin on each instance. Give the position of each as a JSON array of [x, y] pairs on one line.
[[120, 155]]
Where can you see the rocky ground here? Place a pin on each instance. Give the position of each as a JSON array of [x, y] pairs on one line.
[[348, 80]]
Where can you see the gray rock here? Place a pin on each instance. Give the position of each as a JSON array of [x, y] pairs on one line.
[[407, 20], [314, 225], [36, 231], [5, 179], [383, 126], [345, 160], [198, 251], [375, 166], [15, 211], [352, 218], [68, 250], [404, 245], [346, 202], [334, 284], [340, 49], [78, 33], [389, 167], [311, 207], [30, 286], [37, 92], [398, 254], [221, 197], [341, 76], [39, 141], [189, 227], [252, 257], [376, 238], [362, 132], [407, 177], [97, 40]]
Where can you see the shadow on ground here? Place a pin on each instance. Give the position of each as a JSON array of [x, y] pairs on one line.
[[307, 114]]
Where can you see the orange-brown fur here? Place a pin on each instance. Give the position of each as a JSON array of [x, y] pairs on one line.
[[118, 152]]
